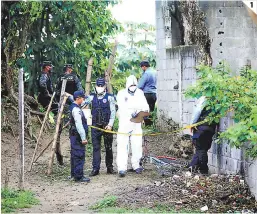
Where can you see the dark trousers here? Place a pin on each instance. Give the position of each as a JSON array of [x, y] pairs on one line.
[[151, 100], [202, 144], [45, 100], [96, 141], [77, 157]]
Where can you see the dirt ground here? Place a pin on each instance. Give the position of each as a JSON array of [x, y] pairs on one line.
[[56, 193]]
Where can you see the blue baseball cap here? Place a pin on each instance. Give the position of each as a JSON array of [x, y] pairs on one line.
[[78, 94], [100, 82]]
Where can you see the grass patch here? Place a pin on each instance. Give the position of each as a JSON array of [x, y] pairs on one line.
[[110, 201], [14, 199], [110, 205]]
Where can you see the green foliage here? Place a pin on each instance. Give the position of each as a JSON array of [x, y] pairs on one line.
[[140, 45], [109, 201], [231, 94], [63, 32], [13, 199]]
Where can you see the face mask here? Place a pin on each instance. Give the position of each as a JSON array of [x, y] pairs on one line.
[[132, 89], [100, 90]]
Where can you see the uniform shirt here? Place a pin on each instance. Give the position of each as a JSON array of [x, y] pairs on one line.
[[111, 100], [198, 109], [77, 114], [147, 82], [45, 84], [70, 77]]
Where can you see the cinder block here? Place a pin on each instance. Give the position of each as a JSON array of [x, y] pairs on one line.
[[225, 150], [236, 153], [252, 169], [213, 169], [251, 183]]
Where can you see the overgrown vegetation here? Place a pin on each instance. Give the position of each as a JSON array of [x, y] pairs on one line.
[[12, 200], [60, 31], [110, 205], [234, 95]]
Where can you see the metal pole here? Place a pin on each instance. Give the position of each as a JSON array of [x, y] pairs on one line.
[[21, 129]]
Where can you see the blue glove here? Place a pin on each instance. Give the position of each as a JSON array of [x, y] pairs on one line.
[[134, 115]]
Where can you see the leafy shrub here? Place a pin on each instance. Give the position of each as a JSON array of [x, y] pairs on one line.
[[235, 94]]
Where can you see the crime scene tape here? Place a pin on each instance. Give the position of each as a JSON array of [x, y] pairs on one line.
[[150, 133]]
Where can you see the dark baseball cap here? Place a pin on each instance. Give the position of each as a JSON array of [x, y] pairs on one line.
[[78, 94], [68, 66], [47, 63], [100, 82]]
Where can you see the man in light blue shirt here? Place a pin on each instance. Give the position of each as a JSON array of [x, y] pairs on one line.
[[147, 83]]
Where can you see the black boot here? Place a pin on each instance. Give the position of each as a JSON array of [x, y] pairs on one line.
[[110, 170], [94, 172]]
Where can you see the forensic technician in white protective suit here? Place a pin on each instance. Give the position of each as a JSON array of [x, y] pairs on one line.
[[130, 101]]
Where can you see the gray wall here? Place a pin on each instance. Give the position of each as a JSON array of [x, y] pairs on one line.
[[233, 38]]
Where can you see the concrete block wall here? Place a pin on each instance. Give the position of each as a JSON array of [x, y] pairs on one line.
[[233, 37], [232, 31]]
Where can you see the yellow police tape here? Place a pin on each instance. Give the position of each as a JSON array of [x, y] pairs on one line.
[[150, 134]]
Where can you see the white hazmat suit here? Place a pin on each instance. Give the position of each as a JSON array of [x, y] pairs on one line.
[[130, 103]]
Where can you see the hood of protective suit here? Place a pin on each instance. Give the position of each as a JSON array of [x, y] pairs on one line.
[[131, 85], [131, 80]]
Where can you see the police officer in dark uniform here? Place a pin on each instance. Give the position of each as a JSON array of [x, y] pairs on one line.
[[78, 137], [73, 84], [46, 86], [103, 115], [202, 136]]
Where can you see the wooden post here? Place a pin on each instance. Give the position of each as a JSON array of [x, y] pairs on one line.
[[41, 131], [88, 76], [50, 165], [6, 180], [21, 129], [108, 72]]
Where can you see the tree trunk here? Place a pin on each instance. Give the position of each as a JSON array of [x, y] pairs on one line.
[[108, 72]]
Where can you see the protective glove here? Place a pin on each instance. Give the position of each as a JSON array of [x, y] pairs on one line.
[[134, 115]]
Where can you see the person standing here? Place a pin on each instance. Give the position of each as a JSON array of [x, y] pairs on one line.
[[78, 137], [201, 136], [73, 84], [103, 115], [130, 101], [147, 83], [46, 86]]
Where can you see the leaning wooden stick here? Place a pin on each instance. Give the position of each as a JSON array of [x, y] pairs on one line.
[[108, 72], [43, 150], [41, 131], [50, 165]]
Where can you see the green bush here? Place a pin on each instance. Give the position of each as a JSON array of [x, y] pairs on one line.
[[13, 199], [228, 93]]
